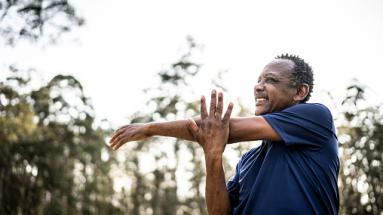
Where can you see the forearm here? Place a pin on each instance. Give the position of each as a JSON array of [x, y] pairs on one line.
[[240, 129], [217, 197], [178, 129]]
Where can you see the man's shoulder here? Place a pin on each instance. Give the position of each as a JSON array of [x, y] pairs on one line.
[[317, 109], [318, 106]]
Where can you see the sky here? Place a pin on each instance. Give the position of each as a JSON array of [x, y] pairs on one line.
[[125, 43]]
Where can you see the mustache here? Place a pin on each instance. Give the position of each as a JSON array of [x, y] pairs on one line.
[[261, 95]]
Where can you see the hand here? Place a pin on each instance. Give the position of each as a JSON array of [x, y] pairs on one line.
[[213, 131], [128, 133]]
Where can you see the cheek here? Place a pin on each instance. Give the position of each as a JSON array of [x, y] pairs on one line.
[[277, 101], [281, 102]]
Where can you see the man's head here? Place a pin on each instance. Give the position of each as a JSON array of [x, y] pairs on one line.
[[286, 81]]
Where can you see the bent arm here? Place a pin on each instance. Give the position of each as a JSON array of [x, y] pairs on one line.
[[250, 129], [241, 129]]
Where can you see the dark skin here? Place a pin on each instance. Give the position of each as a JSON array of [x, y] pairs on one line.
[[273, 92], [212, 134]]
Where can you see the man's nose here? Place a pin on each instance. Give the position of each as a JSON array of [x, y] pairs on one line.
[[259, 87]]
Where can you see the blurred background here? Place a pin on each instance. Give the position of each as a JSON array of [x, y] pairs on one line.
[[71, 72]]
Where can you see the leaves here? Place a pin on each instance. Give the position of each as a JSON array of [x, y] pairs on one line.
[[35, 19], [362, 144], [47, 164]]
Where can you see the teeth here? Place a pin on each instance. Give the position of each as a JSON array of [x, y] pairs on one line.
[[261, 100]]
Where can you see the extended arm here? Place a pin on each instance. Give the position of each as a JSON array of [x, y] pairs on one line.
[[240, 129], [141, 131]]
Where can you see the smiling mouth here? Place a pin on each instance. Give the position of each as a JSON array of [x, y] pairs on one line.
[[260, 101]]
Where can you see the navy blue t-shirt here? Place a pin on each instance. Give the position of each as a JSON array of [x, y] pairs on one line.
[[297, 175]]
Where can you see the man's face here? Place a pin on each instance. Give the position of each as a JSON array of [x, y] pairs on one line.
[[273, 91]]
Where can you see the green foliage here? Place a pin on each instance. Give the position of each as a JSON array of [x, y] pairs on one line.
[[362, 145], [50, 151]]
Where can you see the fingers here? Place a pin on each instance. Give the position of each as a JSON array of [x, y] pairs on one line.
[[213, 103], [115, 135], [118, 144], [119, 140], [204, 113], [226, 118], [218, 113], [116, 140]]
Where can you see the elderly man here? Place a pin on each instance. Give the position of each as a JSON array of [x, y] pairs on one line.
[[293, 171]]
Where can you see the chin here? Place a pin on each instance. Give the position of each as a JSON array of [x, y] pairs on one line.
[[260, 112]]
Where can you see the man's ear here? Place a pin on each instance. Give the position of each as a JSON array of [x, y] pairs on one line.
[[302, 92]]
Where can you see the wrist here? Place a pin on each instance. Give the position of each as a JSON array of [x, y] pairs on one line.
[[213, 157], [213, 162], [149, 129]]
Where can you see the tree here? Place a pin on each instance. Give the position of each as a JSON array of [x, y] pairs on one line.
[[52, 158], [36, 18], [168, 102], [361, 138]]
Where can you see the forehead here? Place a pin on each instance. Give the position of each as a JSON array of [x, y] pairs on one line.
[[279, 68]]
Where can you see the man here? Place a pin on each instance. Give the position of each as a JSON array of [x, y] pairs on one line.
[[293, 171]]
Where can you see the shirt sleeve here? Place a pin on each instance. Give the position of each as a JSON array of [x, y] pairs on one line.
[[303, 124]]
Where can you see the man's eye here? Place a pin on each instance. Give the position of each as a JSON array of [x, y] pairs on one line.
[[271, 80]]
